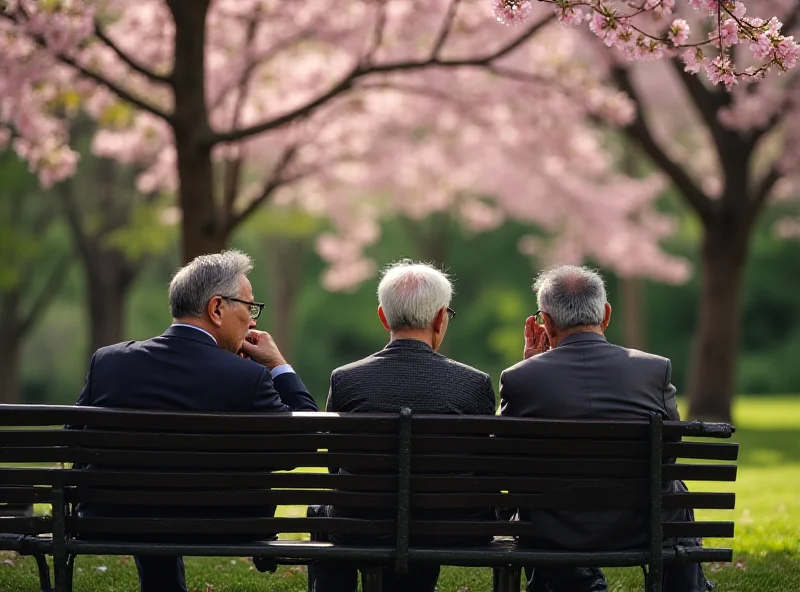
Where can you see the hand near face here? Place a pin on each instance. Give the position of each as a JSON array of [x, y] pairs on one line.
[[260, 347], [536, 340]]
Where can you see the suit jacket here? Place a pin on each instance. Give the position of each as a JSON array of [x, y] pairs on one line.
[[586, 377], [408, 373], [184, 370]]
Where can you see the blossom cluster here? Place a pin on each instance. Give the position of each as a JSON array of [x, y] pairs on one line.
[[643, 31]]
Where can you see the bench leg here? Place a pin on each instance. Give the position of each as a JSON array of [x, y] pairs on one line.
[[653, 581], [44, 573], [506, 578], [372, 579]]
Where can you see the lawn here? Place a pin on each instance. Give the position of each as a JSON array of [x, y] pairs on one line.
[[766, 547]]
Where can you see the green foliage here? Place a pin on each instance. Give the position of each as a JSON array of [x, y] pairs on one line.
[[766, 553]]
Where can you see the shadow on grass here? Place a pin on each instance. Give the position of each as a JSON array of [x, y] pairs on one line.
[[763, 447]]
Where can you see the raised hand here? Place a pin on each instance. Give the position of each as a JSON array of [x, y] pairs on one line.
[[260, 347], [536, 340]]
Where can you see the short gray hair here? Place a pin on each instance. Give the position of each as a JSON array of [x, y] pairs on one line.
[[573, 296], [412, 293], [206, 276]]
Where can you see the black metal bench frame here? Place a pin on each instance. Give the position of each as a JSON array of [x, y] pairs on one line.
[[27, 535]]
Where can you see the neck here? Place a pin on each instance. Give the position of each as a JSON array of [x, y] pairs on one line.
[[424, 336], [581, 329]]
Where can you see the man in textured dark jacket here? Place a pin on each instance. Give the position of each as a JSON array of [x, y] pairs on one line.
[[571, 371], [210, 359], [409, 372]]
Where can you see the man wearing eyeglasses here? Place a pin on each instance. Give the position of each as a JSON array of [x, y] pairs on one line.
[[210, 359], [414, 308]]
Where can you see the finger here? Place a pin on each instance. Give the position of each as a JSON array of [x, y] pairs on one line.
[[530, 329]]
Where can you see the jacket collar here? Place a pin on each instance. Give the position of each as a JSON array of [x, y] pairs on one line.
[[582, 336], [414, 344], [191, 334]]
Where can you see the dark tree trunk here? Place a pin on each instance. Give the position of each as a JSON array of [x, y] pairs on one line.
[[287, 262], [632, 321], [108, 279], [712, 381], [10, 346], [202, 230]]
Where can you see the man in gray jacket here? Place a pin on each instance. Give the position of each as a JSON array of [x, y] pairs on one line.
[[570, 371]]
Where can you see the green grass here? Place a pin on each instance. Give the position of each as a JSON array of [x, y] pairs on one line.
[[766, 547]]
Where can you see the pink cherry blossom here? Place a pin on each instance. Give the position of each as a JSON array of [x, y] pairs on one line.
[[511, 12]]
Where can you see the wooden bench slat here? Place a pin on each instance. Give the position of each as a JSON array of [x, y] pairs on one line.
[[28, 525], [197, 480], [596, 500], [199, 460], [25, 495], [527, 427], [293, 497], [212, 423], [697, 500], [702, 450], [692, 472], [597, 467], [227, 526], [472, 483], [698, 529], [480, 445], [303, 442]]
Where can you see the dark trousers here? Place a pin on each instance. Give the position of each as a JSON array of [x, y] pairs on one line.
[[161, 573], [678, 578], [336, 576], [327, 576]]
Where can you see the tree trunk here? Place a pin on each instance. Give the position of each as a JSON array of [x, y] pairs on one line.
[[108, 279], [287, 261], [632, 322], [10, 346], [202, 231], [712, 381]]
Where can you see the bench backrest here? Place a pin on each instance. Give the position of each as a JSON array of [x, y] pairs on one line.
[[400, 463]]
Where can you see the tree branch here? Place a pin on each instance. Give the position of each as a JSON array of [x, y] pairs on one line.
[[45, 296], [641, 133], [764, 189], [708, 101], [275, 180], [134, 65], [444, 31], [113, 87], [360, 71], [377, 34]]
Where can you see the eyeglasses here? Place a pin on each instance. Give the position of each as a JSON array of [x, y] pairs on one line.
[[450, 313], [255, 307], [538, 316]]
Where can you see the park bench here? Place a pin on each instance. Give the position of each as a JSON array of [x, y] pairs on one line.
[[401, 463]]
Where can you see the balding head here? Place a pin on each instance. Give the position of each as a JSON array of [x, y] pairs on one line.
[[572, 296]]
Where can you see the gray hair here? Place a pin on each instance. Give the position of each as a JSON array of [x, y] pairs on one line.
[[573, 296], [206, 276], [412, 293]]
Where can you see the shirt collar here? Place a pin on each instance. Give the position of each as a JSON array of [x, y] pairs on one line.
[[196, 328]]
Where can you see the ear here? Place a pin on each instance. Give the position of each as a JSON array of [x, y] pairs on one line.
[[214, 310], [382, 317], [549, 327], [438, 322], [606, 317]]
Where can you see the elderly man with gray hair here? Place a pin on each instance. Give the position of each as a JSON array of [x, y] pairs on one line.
[[414, 308], [570, 371], [210, 359]]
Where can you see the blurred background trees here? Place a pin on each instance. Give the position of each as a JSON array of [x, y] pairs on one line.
[[330, 141]]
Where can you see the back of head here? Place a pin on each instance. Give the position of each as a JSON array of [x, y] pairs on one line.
[[573, 296], [411, 295], [203, 278]]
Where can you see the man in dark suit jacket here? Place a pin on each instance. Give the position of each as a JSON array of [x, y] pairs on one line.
[[210, 359], [408, 372], [571, 371]]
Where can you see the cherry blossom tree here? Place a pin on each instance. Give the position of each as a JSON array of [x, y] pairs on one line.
[[350, 108], [728, 154]]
